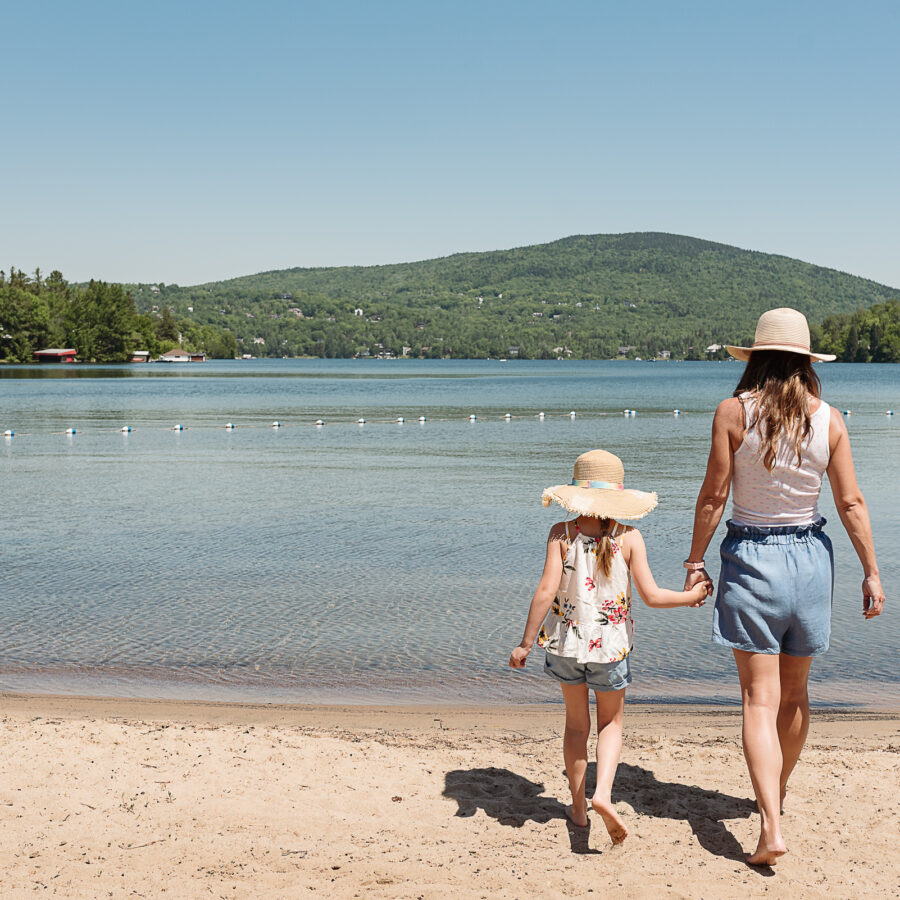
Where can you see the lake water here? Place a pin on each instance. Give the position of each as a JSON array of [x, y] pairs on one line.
[[378, 563]]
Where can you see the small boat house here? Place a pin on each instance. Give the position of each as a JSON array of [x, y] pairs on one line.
[[55, 355]]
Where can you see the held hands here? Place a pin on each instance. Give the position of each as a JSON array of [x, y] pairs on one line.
[[699, 584], [518, 656], [873, 597]]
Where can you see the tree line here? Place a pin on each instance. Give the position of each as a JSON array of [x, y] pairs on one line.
[[867, 335], [98, 319]]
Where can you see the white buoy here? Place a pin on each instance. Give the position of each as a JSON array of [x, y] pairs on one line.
[[572, 414], [125, 429], [507, 417], [70, 431], [846, 412], [473, 417], [889, 412], [400, 420], [541, 416], [9, 433], [422, 419], [178, 427], [676, 412], [229, 426], [276, 424], [360, 421], [319, 423]]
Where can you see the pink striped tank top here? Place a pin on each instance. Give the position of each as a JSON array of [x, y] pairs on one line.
[[789, 494]]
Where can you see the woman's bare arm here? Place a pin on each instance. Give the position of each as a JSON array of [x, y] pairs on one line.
[[727, 433], [854, 513], [543, 596]]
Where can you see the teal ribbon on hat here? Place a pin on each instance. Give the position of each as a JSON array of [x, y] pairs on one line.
[[605, 485]]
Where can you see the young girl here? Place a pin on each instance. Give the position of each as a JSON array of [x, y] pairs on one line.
[[588, 633]]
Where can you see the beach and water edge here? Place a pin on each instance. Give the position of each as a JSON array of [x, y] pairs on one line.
[[136, 797]]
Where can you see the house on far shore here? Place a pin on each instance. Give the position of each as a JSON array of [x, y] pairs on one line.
[[140, 356], [55, 354], [179, 355]]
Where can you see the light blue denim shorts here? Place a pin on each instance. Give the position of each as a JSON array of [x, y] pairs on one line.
[[597, 676], [775, 589]]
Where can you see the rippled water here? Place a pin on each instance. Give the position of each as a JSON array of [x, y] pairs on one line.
[[378, 563]]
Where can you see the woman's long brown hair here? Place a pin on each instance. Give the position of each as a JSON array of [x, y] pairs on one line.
[[783, 383]]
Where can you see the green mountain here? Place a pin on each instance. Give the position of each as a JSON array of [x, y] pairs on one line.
[[581, 297]]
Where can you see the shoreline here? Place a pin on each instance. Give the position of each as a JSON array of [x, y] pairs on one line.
[[330, 715]]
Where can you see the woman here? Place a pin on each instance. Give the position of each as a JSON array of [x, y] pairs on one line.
[[773, 440]]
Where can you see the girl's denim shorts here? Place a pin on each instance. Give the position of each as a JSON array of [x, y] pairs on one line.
[[775, 589], [597, 676]]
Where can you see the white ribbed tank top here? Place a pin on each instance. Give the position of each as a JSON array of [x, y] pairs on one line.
[[789, 494]]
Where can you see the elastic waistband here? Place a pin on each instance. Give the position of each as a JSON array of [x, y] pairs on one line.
[[776, 534]]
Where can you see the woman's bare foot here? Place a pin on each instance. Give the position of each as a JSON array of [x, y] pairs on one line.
[[767, 853], [614, 824], [577, 818]]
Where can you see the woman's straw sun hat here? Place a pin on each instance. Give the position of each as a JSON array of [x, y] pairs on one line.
[[598, 489], [781, 329]]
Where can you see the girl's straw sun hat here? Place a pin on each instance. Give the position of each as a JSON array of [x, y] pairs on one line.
[[781, 329], [598, 489]]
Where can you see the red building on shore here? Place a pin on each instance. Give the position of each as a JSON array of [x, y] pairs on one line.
[[54, 354]]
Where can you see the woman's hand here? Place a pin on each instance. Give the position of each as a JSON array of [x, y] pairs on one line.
[[695, 577], [700, 591], [873, 597], [518, 656]]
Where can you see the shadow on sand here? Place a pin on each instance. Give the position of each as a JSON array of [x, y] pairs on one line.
[[513, 800]]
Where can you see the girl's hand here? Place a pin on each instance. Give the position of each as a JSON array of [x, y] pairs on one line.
[[518, 656], [699, 592], [873, 597]]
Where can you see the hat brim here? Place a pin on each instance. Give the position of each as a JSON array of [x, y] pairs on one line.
[[743, 353], [601, 503]]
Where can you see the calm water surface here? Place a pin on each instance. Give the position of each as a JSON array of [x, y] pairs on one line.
[[378, 563]]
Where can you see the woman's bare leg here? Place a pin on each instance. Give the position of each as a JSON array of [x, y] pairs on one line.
[[761, 696], [793, 713], [610, 709], [578, 728]]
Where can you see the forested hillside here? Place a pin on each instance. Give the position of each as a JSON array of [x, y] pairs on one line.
[[583, 296], [98, 319]]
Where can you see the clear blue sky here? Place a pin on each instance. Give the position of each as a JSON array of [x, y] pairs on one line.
[[192, 141]]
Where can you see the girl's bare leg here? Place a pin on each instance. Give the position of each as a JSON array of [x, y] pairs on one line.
[[578, 728], [761, 694], [793, 713], [610, 709]]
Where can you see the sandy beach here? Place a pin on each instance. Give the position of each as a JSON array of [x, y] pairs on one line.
[[137, 798]]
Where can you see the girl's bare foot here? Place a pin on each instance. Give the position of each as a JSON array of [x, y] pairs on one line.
[[614, 824], [577, 818]]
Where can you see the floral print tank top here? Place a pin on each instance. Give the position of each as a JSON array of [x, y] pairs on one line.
[[590, 620]]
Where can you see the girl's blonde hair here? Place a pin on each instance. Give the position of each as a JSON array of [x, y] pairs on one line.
[[605, 548], [783, 383]]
